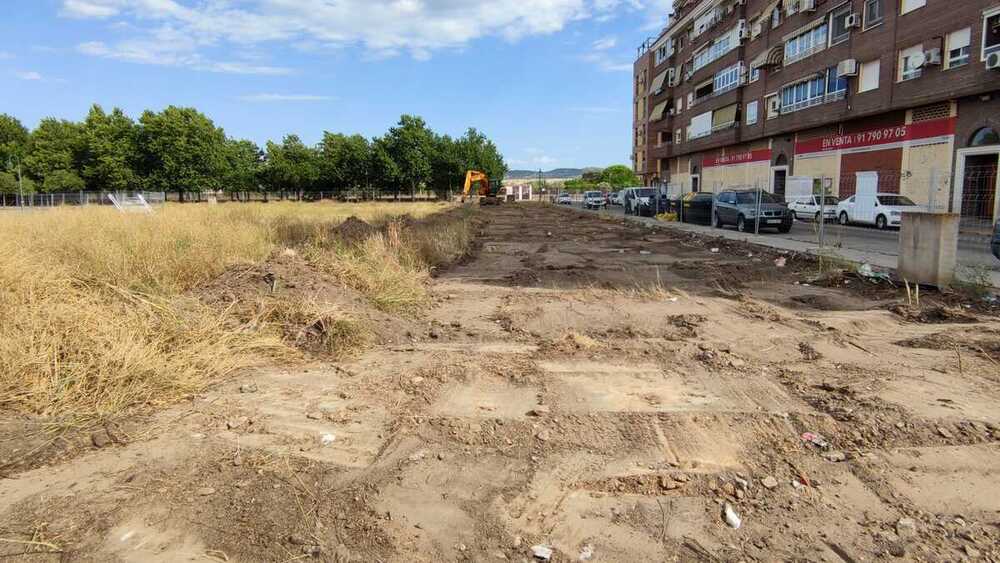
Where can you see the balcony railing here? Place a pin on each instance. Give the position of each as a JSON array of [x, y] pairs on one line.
[[724, 126], [789, 59], [813, 102]]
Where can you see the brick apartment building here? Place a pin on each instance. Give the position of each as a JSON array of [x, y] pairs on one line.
[[752, 92]]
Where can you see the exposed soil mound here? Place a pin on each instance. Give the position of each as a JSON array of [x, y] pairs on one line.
[[353, 230], [937, 314]]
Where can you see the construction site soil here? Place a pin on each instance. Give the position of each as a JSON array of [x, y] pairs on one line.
[[581, 385]]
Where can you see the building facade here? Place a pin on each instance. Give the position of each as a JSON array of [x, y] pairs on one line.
[[754, 92]]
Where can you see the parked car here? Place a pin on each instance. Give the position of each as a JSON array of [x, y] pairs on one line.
[[564, 199], [741, 208], [996, 240], [640, 201], [694, 207], [594, 200], [808, 207], [616, 197], [881, 210]]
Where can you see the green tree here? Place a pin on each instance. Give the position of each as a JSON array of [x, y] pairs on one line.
[[243, 166], [13, 140], [8, 183], [480, 153], [110, 151], [63, 181], [291, 166], [55, 145], [180, 149], [448, 167], [619, 176], [345, 161], [382, 169], [410, 144]]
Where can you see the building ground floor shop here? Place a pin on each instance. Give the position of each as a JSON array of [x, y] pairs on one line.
[[944, 156]]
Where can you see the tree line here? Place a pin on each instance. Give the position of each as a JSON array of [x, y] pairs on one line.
[[182, 150]]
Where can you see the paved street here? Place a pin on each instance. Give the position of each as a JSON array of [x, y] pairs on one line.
[[860, 244]]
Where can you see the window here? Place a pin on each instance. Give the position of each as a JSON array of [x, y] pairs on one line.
[[991, 32], [776, 16], [869, 76], [873, 13], [773, 106], [822, 88], [701, 126], [663, 53], [704, 90], [679, 135], [712, 52], [984, 136], [679, 105], [752, 112], [839, 31], [727, 78], [754, 74], [957, 47], [907, 69], [907, 6], [806, 44]]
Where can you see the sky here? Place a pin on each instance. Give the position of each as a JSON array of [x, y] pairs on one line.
[[548, 80]]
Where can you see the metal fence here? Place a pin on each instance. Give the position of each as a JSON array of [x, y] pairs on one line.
[[14, 201]]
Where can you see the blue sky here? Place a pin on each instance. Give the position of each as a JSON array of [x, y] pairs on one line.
[[548, 80]]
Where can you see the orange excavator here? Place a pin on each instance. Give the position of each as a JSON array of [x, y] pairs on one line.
[[487, 192]]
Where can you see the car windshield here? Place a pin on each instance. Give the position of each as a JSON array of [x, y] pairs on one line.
[[564, 194], [645, 192], [751, 197], [830, 200], [593, 194], [895, 200]]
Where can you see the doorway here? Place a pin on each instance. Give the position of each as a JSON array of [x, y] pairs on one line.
[[979, 189], [779, 176]]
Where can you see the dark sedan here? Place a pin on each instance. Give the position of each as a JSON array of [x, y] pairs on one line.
[[693, 207], [742, 209]]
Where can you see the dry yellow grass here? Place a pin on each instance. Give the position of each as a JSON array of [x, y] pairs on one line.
[[96, 316]]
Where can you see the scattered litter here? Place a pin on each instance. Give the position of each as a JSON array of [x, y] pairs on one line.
[[248, 388], [586, 553], [780, 262], [542, 552], [673, 300], [815, 439], [327, 439], [732, 518], [835, 456], [750, 255], [865, 270], [645, 252], [715, 251]]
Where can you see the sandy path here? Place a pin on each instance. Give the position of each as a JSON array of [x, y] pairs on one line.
[[551, 397]]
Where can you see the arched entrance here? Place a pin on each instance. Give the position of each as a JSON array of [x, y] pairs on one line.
[[977, 168], [695, 179]]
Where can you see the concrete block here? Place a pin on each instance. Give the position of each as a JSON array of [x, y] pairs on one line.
[[928, 248]]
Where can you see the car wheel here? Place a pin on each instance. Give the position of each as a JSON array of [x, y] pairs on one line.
[[881, 223], [741, 224], [843, 218], [716, 222], [785, 229], [795, 216], [817, 218]]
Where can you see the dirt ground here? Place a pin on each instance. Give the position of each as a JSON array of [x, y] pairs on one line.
[[581, 385]]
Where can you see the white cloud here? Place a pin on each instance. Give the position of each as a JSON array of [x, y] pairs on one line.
[[167, 53], [177, 32], [605, 43], [284, 98], [28, 75]]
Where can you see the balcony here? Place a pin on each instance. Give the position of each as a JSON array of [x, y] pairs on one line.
[[724, 126], [789, 59], [813, 102]]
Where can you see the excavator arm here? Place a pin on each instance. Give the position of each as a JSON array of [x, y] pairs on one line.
[[473, 176]]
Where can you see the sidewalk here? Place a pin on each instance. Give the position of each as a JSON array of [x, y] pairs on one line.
[[878, 260]]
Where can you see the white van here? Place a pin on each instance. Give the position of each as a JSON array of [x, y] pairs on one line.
[[881, 210]]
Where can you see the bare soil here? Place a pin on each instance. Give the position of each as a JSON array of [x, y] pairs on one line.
[[590, 386]]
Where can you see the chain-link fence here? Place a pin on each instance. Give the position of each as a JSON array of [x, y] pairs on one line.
[[19, 201]]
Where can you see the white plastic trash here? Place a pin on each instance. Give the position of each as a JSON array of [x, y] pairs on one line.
[[732, 518]]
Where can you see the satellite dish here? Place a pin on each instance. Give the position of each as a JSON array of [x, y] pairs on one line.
[[918, 60]]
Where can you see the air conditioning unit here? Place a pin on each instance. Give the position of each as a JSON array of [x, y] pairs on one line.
[[847, 67], [852, 21], [932, 57], [744, 32], [993, 61], [808, 6], [774, 105], [792, 8], [756, 29]]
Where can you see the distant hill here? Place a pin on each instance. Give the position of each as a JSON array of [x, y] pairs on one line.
[[557, 174]]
